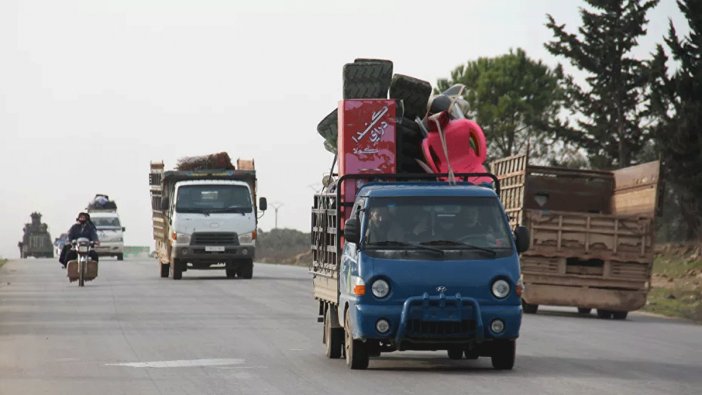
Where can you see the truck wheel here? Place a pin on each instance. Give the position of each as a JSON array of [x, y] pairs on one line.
[[529, 308], [120, 257], [176, 269], [165, 268], [503, 353], [231, 273], [367, 79], [619, 315], [604, 314], [455, 353], [354, 350], [246, 270], [333, 337], [584, 310]]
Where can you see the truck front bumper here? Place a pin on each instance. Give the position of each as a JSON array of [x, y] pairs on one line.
[[213, 254], [425, 322]]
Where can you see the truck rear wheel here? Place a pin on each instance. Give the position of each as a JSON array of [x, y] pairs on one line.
[[619, 315], [604, 314], [529, 308], [165, 268], [333, 337], [176, 269], [503, 354], [354, 350], [246, 269], [120, 257], [584, 310]]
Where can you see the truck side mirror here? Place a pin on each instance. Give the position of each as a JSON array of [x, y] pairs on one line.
[[262, 204], [124, 229], [165, 203], [521, 237], [352, 233]]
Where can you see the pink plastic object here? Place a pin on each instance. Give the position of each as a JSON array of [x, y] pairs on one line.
[[464, 157]]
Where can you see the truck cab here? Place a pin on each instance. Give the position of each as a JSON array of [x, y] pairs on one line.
[[213, 221], [424, 266]]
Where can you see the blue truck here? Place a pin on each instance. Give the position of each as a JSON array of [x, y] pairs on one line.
[[411, 262]]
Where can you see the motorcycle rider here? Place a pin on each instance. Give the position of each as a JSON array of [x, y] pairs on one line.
[[82, 228]]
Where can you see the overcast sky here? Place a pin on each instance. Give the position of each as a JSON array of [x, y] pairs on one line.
[[92, 90]]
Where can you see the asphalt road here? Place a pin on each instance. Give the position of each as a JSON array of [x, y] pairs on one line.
[[131, 332]]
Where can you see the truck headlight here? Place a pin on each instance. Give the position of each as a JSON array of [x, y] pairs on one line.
[[380, 288], [500, 289], [182, 238], [246, 238]]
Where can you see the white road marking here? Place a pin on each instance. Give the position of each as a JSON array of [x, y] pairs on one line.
[[186, 363]]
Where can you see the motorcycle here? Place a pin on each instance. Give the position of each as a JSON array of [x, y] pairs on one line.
[[82, 268]]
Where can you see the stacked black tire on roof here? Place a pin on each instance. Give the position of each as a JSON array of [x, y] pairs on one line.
[[373, 79]]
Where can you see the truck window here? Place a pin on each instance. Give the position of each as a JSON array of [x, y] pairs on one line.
[[440, 222], [106, 222], [213, 199]]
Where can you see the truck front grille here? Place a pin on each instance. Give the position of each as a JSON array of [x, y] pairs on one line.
[[214, 238]]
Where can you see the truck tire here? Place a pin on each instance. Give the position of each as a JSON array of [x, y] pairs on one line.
[[231, 273], [354, 350], [619, 315], [529, 308], [176, 269], [333, 338], [246, 270], [409, 146], [455, 353], [584, 310], [367, 79], [120, 257], [413, 92], [503, 354], [165, 268], [472, 354], [604, 314]]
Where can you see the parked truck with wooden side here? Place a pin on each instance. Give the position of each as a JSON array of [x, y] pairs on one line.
[[592, 234]]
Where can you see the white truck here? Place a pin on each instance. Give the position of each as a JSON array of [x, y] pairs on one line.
[[103, 213], [205, 219]]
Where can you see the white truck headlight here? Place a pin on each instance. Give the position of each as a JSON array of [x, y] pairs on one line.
[[380, 288], [246, 238], [182, 238], [500, 289]]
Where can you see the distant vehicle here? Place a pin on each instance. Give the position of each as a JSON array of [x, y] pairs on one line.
[[59, 243], [36, 240], [205, 218], [103, 213]]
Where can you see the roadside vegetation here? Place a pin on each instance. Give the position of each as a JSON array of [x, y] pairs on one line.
[[677, 282], [287, 246]]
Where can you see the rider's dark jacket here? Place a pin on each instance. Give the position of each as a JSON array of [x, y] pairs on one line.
[[86, 230]]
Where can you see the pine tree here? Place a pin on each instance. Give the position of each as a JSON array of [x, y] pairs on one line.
[[676, 101], [610, 125]]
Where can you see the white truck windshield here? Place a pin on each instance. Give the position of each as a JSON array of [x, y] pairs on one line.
[[213, 199], [106, 222]]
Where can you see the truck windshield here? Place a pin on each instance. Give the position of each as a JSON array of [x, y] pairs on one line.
[[106, 222], [209, 199], [446, 223]]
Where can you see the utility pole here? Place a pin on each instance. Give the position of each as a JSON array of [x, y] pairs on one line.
[[276, 206]]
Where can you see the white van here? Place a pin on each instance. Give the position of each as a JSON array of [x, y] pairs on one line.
[[110, 233]]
